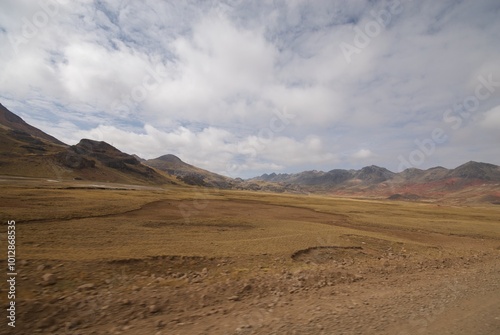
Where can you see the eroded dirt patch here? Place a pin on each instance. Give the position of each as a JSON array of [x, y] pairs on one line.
[[325, 254]]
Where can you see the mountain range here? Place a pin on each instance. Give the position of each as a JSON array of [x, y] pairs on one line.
[[29, 152], [473, 181]]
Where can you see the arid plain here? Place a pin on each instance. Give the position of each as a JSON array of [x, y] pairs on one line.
[[97, 258]]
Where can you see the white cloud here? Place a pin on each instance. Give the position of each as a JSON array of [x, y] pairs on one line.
[[492, 118], [203, 79], [362, 154], [212, 148]]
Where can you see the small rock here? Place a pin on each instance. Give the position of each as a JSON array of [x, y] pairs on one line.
[[234, 298], [24, 262], [246, 288], [49, 279], [154, 309], [41, 267], [85, 287], [196, 280], [358, 277]]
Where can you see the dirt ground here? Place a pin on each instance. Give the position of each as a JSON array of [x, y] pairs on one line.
[[255, 267]]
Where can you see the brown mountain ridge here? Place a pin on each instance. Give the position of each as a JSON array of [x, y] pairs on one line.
[[29, 152]]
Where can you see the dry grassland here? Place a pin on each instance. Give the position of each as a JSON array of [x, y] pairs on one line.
[[97, 233]]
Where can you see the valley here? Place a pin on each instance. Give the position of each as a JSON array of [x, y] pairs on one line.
[[109, 243]]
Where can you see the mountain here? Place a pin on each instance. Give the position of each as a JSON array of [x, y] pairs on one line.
[[193, 175], [29, 152], [20, 130], [374, 174], [475, 170], [24, 149], [367, 176], [190, 174], [93, 159]]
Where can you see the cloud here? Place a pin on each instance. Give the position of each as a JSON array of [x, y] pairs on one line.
[[492, 118], [213, 148], [362, 154], [205, 80]]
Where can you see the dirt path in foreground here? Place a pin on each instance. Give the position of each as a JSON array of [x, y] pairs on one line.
[[458, 296], [454, 301]]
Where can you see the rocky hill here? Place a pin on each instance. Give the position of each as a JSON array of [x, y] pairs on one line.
[[18, 129], [190, 174], [29, 152]]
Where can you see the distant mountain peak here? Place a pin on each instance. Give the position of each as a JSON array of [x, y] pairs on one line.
[[477, 170], [477, 164], [374, 168], [169, 158], [189, 174], [96, 145], [374, 174]]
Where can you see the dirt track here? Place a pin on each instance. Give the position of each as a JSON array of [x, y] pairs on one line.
[[452, 297]]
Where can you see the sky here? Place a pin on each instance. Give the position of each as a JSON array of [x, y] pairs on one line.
[[243, 88]]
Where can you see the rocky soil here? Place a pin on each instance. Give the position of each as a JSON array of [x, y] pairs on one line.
[[317, 291]]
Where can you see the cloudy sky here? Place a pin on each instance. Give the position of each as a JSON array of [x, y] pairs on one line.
[[247, 87]]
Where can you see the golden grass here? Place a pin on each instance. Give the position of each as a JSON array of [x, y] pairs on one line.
[[88, 224]]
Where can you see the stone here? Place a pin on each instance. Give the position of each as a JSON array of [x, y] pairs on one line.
[[154, 309], [86, 287], [49, 279]]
